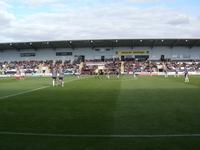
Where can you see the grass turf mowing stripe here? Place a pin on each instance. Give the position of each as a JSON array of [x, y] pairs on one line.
[[101, 135], [33, 90]]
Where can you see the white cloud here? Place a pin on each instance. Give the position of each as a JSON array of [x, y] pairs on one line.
[[3, 5], [6, 17], [111, 21], [36, 3], [179, 20], [150, 1], [143, 1]]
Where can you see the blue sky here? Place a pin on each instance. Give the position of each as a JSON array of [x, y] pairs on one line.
[[35, 20]]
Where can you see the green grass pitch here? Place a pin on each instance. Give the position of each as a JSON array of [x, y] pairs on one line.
[[89, 106]]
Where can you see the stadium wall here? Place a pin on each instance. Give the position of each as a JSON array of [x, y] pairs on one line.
[[176, 53]]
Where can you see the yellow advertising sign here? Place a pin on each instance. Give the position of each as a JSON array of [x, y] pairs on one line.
[[132, 52]]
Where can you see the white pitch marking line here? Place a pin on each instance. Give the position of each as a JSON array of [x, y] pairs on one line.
[[25, 92], [33, 90], [100, 135]]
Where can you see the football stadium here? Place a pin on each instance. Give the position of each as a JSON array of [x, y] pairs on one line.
[[99, 75], [100, 94]]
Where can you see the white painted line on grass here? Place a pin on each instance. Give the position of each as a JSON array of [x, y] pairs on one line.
[[100, 135], [33, 90], [25, 92]]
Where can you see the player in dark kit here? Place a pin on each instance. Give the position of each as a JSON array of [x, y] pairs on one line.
[[54, 75], [61, 76]]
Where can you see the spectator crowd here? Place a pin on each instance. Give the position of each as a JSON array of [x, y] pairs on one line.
[[89, 66]]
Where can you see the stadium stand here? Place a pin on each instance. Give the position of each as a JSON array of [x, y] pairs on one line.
[[141, 56]]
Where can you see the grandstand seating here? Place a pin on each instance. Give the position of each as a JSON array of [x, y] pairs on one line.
[[176, 53]]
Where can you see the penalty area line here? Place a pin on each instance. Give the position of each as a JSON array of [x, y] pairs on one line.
[[100, 135]]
